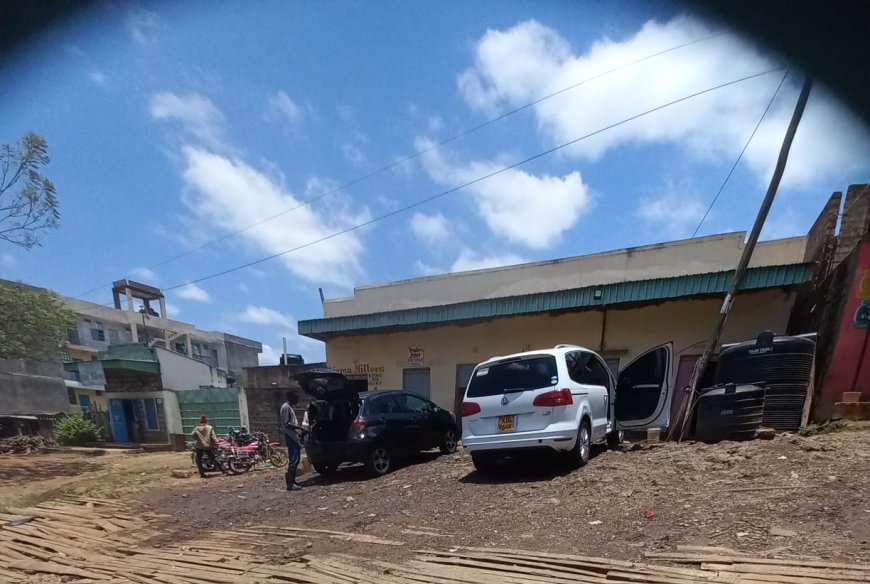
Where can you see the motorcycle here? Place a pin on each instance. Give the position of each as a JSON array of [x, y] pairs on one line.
[[229, 457], [257, 446]]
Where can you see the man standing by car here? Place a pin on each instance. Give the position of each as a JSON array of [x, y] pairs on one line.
[[205, 444], [293, 439]]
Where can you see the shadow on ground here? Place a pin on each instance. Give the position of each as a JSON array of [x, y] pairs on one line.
[[540, 468], [351, 473]]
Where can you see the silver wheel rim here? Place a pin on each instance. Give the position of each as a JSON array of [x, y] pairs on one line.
[[381, 461], [584, 443], [450, 440]]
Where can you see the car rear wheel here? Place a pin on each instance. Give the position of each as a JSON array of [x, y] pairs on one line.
[[582, 449], [380, 462], [615, 438], [484, 462], [449, 442]]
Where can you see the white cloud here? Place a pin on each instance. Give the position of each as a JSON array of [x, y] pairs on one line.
[[144, 25], [430, 229], [526, 62], [470, 260], [284, 108], [145, 275], [313, 351], [232, 195], [353, 154], [7, 260], [528, 209], [193, 292], [263, 315], [197, 114], [269, 356], [98, 78], [674, 211], [425, 269], [172, 311]]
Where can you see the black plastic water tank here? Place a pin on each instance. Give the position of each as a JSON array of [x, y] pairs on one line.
[[784, 364], [729, 412]]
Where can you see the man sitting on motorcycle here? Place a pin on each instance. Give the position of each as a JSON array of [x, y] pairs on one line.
[[205, 444]]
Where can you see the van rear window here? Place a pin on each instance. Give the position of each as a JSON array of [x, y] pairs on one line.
[[532, 372]]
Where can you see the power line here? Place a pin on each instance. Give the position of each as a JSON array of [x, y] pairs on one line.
[[419, 153], [740, 156], [469, 183]]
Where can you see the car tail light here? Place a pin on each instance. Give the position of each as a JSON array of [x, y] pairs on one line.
[[469, 409], [557, 397], [357, 429]]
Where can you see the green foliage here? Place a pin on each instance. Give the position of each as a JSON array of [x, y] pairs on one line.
[[75, 430], [28, 201], [826, 427], [33, 323]]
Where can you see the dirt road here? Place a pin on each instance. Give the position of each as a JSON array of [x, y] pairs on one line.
[[791, 494]]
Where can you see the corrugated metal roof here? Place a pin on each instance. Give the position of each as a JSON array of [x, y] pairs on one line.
[[576, 298]]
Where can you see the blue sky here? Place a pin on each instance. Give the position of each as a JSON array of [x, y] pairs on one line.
[[173, 124]]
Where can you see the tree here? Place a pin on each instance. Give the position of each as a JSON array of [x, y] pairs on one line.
[[28, 202], [33, 322]]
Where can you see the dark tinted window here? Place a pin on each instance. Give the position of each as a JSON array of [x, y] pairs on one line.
[[383, 405], [524, 373], [585, 368], [411, 404]]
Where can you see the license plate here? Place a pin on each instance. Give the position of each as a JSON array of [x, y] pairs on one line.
[[507, 423]]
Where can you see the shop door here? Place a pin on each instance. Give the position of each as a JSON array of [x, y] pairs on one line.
[[118, 420], [416, 380]]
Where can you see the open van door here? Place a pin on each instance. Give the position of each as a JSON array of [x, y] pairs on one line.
[[643, 393]]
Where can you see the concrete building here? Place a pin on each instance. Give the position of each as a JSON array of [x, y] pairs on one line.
[[427, 334], [144, 377]]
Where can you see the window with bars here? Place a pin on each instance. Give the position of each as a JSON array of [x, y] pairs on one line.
[[65, 357]]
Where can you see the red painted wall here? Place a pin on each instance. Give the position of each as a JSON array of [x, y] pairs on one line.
[[850, 362]]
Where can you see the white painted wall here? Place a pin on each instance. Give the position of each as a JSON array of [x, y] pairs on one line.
[[693, 256], [180, 372]]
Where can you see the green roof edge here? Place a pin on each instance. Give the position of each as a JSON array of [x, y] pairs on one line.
[[611, 294]]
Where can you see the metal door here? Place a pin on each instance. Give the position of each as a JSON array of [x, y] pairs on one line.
[[416, 380], [118, 420], [219, 404]]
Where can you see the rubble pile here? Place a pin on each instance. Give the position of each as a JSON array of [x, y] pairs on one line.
[[24, 444]]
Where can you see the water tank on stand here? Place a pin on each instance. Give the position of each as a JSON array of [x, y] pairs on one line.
[[783, 364], [729, 412]]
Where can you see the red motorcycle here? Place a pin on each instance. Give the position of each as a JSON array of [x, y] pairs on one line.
[[256, 448]]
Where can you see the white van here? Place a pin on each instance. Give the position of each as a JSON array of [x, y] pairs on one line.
[[561, 399]]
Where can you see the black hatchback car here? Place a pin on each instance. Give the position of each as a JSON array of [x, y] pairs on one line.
[[373, 428]]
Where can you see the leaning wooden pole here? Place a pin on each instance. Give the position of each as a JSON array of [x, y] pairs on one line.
[[713, 341]]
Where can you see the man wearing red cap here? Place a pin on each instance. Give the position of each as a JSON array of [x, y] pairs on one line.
[[205, 443]]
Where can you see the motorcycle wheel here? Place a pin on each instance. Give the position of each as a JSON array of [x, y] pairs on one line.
[[236, 467], [277, 458]]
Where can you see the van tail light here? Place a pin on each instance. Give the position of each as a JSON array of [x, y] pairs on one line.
[[557, 397], [357, 430], [469, 409]]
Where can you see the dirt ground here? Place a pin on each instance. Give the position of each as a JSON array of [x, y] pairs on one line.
[[789, 495]]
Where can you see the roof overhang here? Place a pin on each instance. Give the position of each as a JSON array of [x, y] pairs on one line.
[[586, 298]]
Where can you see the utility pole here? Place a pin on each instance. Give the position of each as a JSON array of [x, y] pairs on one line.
[[713, 342]]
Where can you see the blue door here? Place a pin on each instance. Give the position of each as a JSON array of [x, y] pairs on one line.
[[118, 420], [85, 403]]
